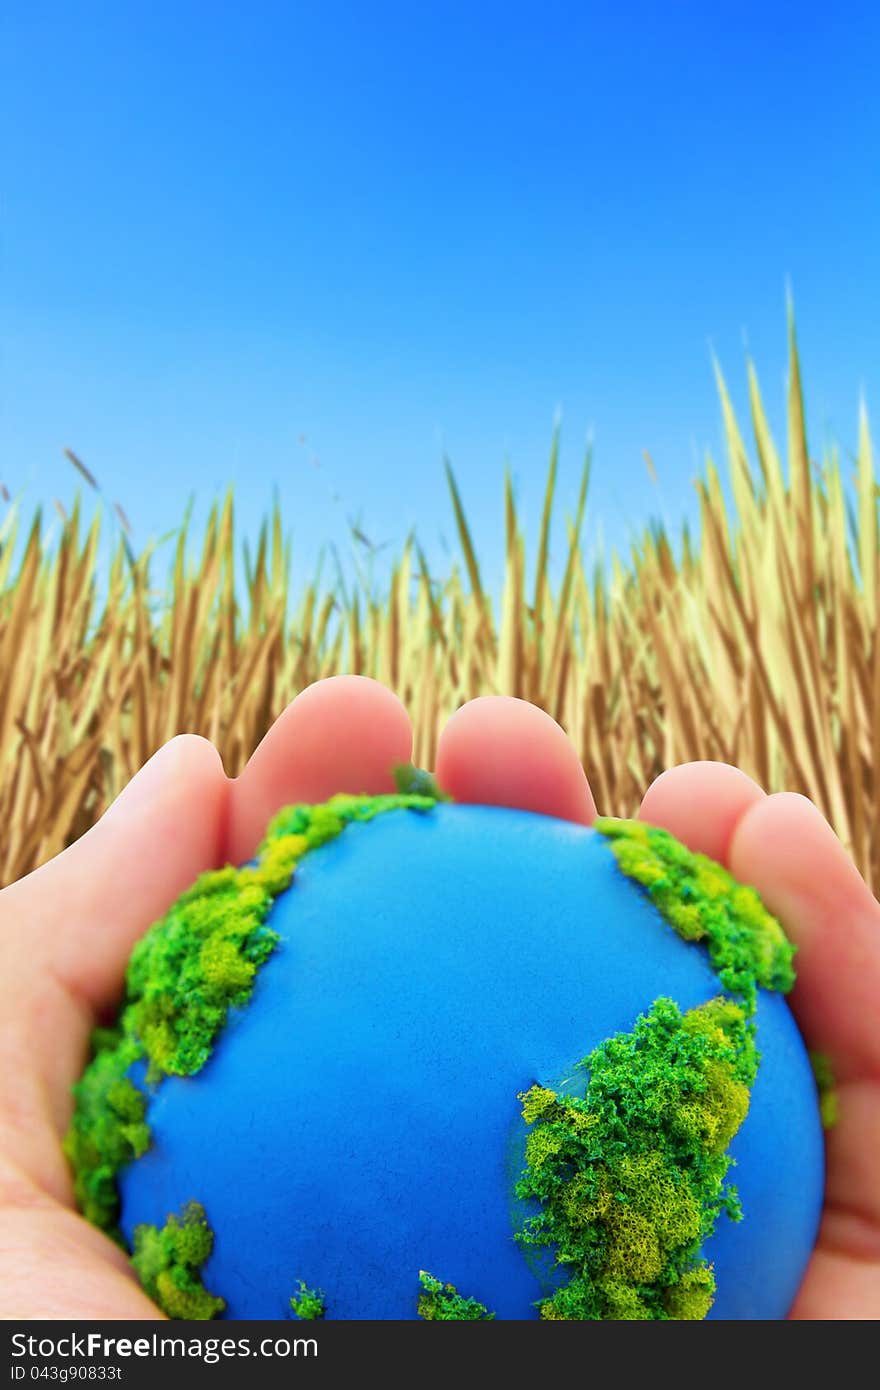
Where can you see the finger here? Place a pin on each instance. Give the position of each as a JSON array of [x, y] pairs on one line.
[[500, 751], [342, 734], [700, 804], [80, 914], [786, 849]]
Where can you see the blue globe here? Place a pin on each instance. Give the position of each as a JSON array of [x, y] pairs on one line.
[[357, 1121]]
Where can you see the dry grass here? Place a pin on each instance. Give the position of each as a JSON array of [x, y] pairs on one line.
[[758, 647]]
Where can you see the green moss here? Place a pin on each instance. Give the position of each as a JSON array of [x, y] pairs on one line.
[[439, 1302], [631, 1177], [827, 1088], [184, 976], [168, 1261], [703, 902], [108, 1128], [308, 1303]]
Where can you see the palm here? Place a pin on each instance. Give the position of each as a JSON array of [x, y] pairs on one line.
[[66, 932]]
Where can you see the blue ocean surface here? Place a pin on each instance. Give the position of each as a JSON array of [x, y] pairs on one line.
[[358, 1121]]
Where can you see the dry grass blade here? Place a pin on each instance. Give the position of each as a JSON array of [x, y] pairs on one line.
[[82, 470], [467, 545], [800, 476], [867, 545], [544, 541]]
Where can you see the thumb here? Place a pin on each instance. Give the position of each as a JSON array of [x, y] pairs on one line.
[[76, 918]]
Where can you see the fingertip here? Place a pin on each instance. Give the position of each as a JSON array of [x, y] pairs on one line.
[[498, 750], [786, 847], [341, 734], [186, 758], [164, 829], [333, 692], [701, 803]]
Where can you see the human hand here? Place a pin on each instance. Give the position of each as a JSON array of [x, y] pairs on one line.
[[66, 932]]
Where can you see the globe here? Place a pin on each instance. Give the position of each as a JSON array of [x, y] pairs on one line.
[[421, 1059]]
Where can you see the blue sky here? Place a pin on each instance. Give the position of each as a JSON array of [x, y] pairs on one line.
[[315, 247]]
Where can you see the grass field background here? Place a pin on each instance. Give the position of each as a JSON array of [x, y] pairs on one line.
[[756, 645]]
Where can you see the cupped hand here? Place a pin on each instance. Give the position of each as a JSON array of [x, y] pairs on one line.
[[66, 932]]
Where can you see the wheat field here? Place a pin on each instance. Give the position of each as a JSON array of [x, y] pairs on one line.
[[758, 646]]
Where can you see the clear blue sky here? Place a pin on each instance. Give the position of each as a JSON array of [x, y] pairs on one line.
[[394, 231]]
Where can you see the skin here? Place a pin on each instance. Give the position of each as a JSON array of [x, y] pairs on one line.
[[67, 929]]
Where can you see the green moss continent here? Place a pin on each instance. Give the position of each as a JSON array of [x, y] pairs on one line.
[[308, 1303], [631, 1177], [168, 1261], [194, 965], [439, 1302]]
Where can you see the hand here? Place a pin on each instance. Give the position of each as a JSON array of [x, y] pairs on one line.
[[66, 932]]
